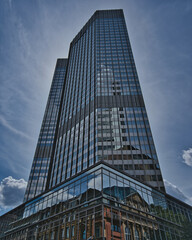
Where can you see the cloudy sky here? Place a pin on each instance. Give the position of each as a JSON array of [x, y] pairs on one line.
[[33, 34]]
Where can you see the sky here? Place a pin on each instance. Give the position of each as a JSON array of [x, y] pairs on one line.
[[33, 34]]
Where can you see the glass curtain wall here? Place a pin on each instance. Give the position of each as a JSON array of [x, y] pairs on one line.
[[103, 117], [45, 145]]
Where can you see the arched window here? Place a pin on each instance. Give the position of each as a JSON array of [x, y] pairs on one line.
[[136, 234], [127, 233]]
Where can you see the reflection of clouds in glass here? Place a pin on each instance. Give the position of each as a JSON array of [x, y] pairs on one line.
[[67, 196], [91, 183], [113, 182], [60, 197], [95, 183], [105, 77]]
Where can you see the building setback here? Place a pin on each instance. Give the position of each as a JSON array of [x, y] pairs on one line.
[[95, 173]]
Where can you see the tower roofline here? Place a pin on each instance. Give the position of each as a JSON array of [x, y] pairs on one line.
[[98, 14]]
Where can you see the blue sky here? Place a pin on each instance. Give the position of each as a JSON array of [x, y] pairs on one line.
[[33, 34]]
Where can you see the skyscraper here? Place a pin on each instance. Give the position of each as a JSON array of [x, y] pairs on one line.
[[95, 173], [103, 117], [48, 133]]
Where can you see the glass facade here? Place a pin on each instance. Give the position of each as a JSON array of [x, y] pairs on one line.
[[95, 173], [100, 203], [103, 117], [45, 145]]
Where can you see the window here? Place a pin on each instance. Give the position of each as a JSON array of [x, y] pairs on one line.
[[97, 231], [127, 233], [115, 228], [146, 235], [63, 233], [136, 234], [84, 235], [52, 235], [73, 231], [67, 232]]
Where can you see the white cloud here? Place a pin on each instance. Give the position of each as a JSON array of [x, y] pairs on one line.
[[11, 192], [187, 156], [5, 123], [176, 192]]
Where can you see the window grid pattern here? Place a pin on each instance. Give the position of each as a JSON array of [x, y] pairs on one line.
[[75, 146], [112, 185], [103, 116], [127, 209], [41, 162], [95, 168], [124, 135]]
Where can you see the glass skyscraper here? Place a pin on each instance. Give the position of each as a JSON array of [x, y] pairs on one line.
[[48, 133], [103, 117], [95, 173]]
